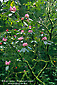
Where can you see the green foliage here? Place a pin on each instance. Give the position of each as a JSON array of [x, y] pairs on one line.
[[37, 61]]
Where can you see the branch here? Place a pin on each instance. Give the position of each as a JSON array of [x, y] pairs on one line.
[[50, 22], [34, 65], [52, 61], [42, 70], [41, 60], [34, 74], [50, 19], [54, 36]]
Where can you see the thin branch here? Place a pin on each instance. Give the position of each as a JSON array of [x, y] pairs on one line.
[[40, 60], [37, 79], [34, 65], [51, 22], [33, 74], [42, 70]]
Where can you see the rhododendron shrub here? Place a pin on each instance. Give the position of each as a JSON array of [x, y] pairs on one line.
[[28, 43]]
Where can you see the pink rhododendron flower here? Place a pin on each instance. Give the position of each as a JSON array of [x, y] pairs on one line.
[[13, 9], [2, 13], [26, 15], [25, 44], [22, 31], [30, 31], [29, 26], [21, 38], [14, 35], [18, 50], [4, 39], [24, 70], [7, 30], [44, 38], [22, 18], [28, 20], [7, 63]]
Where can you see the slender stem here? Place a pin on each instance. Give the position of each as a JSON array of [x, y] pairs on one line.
[[50, 34], [52, 61], [41, 60], [37, 79], [42, 70]]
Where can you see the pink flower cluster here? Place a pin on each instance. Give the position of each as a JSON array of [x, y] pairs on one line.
[[7, 30], [4, 39], [7, 63], [21, 38], [13, 9], [18, 50], [26, 15], [24, 70], [30, 31], [25, 44], [44, 38], [29, 26], [15, 36], [22, 31], [28, 20], [22, 18]]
